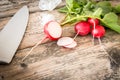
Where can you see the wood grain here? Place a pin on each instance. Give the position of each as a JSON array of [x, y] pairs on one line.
[[49, 61]]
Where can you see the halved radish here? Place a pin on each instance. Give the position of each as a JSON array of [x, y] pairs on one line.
[[52, 30], [72, 45], [64, 41]]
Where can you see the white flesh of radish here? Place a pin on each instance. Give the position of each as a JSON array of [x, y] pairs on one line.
[[64, 41], [72, 45], [54, 29]]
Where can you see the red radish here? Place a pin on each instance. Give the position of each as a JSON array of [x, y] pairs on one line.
[[93, 21], [52, 30], [98, 32], [82, 28], [66, 42]]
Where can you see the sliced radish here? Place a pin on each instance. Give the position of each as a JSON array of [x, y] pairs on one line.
[[53, 30], [72, 45], [64, 41]]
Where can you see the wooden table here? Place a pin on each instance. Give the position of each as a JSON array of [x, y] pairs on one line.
[[51, 62]]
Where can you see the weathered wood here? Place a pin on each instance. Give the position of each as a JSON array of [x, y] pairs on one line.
[[50, 62]]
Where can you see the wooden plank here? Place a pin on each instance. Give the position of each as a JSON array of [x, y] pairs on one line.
[[49, 61], [74, 64]]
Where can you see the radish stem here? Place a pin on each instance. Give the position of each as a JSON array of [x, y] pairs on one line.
[[34, 47]]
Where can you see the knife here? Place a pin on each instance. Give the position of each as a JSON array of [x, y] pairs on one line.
[[12, 34]]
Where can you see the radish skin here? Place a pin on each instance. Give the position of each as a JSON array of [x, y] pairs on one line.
[[93, 21], [98, 32], [82, 28]]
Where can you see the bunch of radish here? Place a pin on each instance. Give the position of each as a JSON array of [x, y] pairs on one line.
[[98, 31], [91, 25]]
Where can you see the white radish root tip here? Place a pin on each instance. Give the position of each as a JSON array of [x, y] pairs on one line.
[[33, 48], [102, 47]]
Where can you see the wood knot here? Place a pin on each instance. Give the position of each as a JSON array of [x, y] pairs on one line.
[[114, 52]]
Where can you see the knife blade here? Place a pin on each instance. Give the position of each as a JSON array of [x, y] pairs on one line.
[[12, 34]]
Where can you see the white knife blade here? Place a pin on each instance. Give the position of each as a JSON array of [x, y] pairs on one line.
[[12, 34]]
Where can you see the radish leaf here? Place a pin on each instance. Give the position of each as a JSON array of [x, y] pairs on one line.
[[110, 20], [116, 9]]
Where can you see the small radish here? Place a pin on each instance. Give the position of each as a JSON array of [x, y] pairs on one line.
[[52, 30], [82, 28], [93, 21], [98, 32], [66, 42]]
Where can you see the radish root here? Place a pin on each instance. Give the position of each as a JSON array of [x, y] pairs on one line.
[[76, 35], [93, 34], [102, 47], [33, 48]]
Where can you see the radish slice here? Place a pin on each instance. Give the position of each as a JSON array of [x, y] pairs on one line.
[[64, 41], [72, 45], [53, 30]]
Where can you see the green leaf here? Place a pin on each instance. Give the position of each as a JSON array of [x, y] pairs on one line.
[[110, 20], [116, 9], [63, 9], [105, 5], [81, 2], [97, 12], [69, 3]]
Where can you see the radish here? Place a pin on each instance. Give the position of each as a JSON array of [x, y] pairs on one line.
[[98, 32], [52, 30], [82, 28], [66, 42], [93, 22]]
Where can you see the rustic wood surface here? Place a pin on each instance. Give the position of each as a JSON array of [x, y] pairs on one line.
[[50, 62]]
